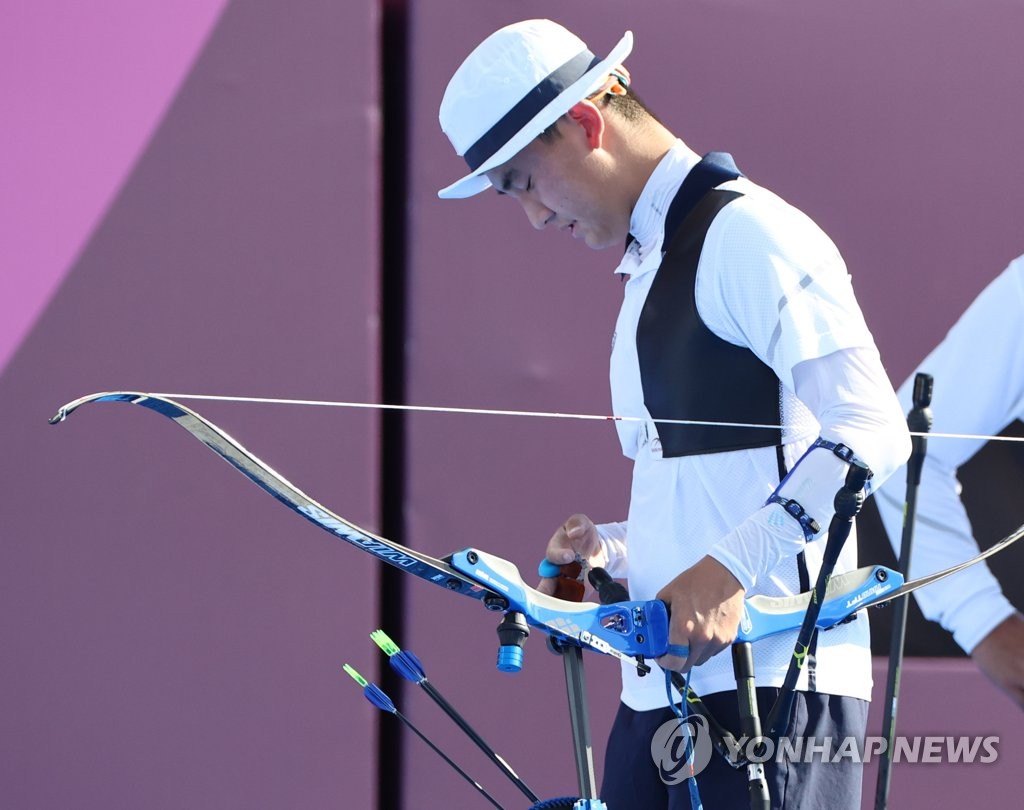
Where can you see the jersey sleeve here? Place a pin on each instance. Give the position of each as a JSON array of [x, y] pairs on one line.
[[771, 280], [978, 372]]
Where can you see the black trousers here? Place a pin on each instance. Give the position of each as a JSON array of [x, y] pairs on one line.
[[810, 780]]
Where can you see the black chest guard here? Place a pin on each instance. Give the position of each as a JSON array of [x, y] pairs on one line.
[[687, 371]]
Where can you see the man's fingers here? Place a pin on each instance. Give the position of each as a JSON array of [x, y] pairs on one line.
[[676, 658], [575, 530], [561, 549], [574, 542], [709, 652], [578, 535]]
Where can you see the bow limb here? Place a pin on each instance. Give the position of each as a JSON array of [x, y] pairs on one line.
[[848, 593], [613, 630], [257, 471], [928, 579]]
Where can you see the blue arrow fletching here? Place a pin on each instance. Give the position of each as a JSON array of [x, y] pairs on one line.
[[378, 698], [408, 666]]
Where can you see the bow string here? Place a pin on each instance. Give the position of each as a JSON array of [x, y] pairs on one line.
[[381, 406]]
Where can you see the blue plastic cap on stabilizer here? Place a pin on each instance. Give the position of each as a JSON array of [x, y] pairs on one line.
[[510, 658]]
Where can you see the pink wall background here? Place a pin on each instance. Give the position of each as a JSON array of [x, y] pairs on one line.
[[199, 187], [192, 206]]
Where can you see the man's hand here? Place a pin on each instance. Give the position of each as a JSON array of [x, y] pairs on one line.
[[577, 537], [1000, 655], [705, 606]]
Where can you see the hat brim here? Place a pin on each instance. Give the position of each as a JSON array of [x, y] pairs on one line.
[[589, 82]]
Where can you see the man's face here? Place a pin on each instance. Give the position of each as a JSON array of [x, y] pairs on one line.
[[566, 184]]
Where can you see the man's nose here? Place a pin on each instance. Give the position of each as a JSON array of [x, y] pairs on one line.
[[538, 214]]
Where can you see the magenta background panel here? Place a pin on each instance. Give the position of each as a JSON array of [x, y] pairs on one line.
[[171, 637], [82, 93], [895, 126]]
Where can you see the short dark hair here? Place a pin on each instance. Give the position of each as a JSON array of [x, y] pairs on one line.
[[628, 106]]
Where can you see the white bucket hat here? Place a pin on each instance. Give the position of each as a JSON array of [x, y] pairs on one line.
[[513, 86]]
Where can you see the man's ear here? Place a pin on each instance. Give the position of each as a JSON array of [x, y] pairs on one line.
[[589, 117]]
